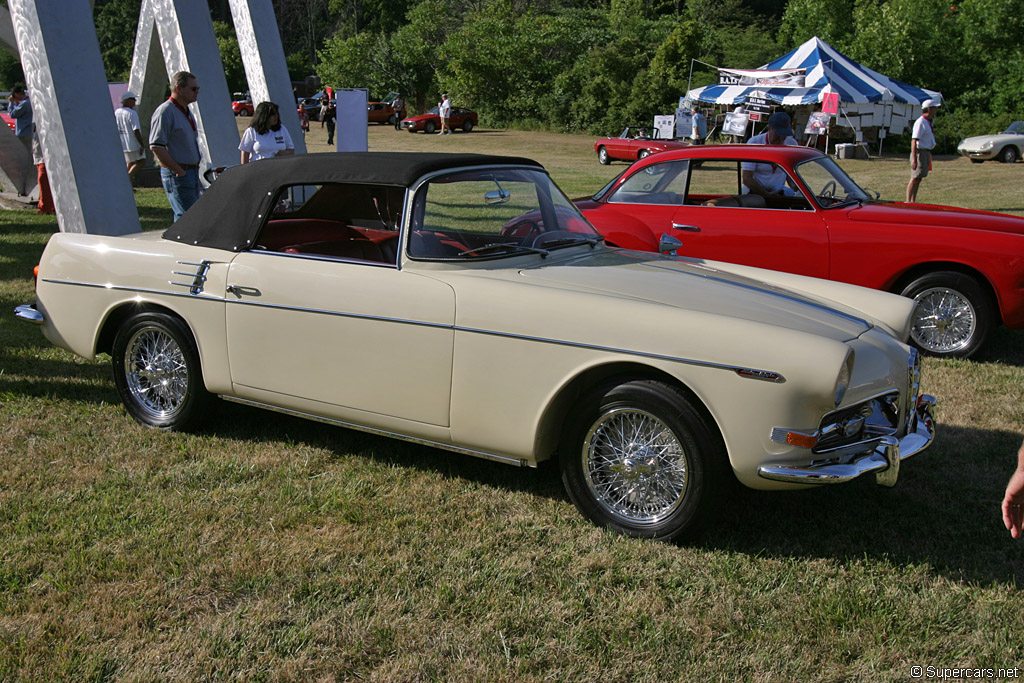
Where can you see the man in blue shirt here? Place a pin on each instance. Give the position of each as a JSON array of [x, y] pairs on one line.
[[174, 139], [20, 109]]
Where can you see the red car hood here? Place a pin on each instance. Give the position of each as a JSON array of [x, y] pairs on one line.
[[938, 216]]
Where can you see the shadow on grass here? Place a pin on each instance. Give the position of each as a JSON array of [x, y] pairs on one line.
[[1004, 347], [944, 512]]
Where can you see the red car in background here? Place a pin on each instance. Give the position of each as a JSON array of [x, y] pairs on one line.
[[242, 105], [964, 267], [7, 119], [430, 121], [384, 111], [635, 142]]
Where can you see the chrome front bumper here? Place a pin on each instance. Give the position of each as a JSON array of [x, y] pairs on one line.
[[883, 458], [29, 314], [978, 154]]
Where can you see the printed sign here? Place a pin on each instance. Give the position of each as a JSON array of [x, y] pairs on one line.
[[817, 124], [790, 78], [735, 124], [665, 125], [830, 103], [758, 104]]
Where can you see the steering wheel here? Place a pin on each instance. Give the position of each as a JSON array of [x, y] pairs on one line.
[[829, 191], [524, 229]]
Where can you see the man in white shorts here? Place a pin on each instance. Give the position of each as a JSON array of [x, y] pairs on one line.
[[922, 142], [131, 135]]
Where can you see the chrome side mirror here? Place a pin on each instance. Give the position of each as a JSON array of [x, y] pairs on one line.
[[669, 244]]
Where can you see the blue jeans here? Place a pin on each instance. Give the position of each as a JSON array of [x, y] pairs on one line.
[[182, 192]]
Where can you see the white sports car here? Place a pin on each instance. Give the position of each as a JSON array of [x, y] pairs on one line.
[[461, 301], [1007, 146]]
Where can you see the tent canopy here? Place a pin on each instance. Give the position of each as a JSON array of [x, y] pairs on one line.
[[827, 70]]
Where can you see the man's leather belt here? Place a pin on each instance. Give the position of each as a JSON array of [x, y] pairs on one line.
[[187, 167]]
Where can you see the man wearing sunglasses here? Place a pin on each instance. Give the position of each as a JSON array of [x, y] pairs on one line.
[[174, 139]]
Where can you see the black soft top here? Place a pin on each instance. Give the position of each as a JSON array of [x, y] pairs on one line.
[[230, 212]]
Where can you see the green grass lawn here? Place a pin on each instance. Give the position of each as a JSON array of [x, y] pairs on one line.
[[269, 548]]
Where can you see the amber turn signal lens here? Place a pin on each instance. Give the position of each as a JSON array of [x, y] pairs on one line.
[[801, 440]]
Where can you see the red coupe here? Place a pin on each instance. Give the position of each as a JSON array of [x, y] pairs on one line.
[[384, 110], [243, 107], [635, 142], [964, 267], [431, 121]]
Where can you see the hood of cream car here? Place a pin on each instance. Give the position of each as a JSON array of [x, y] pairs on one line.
[[699, 286]]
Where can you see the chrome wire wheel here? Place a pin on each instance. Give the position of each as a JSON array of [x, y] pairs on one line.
[[945, 321], [156, 372], [635, 467]]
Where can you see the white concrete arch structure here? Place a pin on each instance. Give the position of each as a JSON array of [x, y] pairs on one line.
[[60, 54]]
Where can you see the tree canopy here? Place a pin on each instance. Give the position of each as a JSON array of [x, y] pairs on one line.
[[590, 65]]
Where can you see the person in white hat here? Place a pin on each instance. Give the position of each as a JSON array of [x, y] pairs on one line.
[[131, 135], [922, 142]]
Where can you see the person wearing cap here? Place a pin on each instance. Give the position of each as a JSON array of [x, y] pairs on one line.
[[445, 110], [20, 109], [922, 141], [131, 133], [769, 179], [174, 139]]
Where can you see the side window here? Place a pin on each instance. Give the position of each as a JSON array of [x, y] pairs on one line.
[[712, 180], [662, 183], [337, 220]]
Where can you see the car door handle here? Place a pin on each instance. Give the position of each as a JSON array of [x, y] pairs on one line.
[[685, 228], [240, 291]]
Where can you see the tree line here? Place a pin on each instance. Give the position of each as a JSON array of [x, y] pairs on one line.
[[592, 65]]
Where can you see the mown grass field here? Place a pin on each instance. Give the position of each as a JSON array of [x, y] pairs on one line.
[[265, 548]]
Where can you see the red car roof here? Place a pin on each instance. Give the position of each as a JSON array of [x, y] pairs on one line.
[[782, 153]]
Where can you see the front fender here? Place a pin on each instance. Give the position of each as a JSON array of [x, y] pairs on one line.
[[623, 230]]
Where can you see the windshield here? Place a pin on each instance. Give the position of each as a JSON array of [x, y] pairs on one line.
[[829, 184], [494, 213], [1017, 127]]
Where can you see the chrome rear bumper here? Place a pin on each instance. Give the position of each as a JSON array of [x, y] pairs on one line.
[[29, 314], [883, 458]]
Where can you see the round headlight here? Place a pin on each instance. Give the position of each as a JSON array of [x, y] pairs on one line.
[[843, 381], [987, 144]]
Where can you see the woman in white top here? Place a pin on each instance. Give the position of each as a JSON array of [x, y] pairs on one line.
[[265, 137]]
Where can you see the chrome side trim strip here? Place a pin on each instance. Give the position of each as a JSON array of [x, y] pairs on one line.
[[140, 290], [762, 375], [343, 314], [521, 462], [743, 371]]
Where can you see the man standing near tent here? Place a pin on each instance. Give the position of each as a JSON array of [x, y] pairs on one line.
[[921, 144]]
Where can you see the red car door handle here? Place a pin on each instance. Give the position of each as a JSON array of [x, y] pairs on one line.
[[685, 228]]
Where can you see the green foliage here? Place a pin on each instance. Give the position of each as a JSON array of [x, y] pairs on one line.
[[504, 66], [830, 20], [116, 24], [10, 71], [231, 56]]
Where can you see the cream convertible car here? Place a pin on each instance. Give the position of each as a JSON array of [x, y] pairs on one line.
[[461, 301]]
